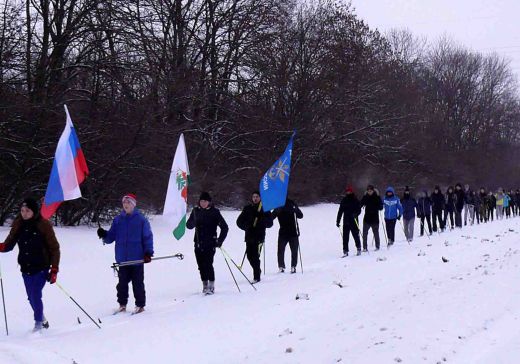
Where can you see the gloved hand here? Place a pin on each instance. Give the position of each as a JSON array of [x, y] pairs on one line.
[[337, 224], [101, 233], [2, 247], [53, 275], [218, 243], [398, 217], [147, 258]]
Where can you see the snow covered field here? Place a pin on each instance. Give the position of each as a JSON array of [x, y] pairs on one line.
[[400, 305]]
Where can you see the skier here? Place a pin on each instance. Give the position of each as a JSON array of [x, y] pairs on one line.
[[438, 207], [507, 205], [205, 218], [459, 204], [409, 205], [492, 205], [500, 197], [393, 212], [450, 207], [349, 210], [134, 241], [484, 203], [38, 255], [372, 204], [289, 232], [424, 210], [468, 208], [253, 220]]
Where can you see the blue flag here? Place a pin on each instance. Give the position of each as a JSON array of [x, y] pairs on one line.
[[274, 183]]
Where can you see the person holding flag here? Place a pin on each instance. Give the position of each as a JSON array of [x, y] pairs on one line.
[[38, 255], [134, 241], [205, 219], [253, 220]]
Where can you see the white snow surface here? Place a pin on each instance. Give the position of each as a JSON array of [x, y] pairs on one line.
[[399, 305]]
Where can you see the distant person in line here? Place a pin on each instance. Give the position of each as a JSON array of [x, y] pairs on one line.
[[134, 241], [492, 205], [205, 219], [393, 212], [468, 208], [424, 211], [484, 204], [438, 208], [507, 204], [254, 221], [349, 210], [459, 204], [500, 198], [450, 208], [289, 232], [372, 203], [38, 255], [409, 206], [471, 205]]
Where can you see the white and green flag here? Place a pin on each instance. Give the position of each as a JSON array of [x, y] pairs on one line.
[[177, 195]]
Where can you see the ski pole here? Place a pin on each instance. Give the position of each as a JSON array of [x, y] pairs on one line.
[[180, 256], [235, 264], [3, 302], [243, 260], [384, 228], [77, 304], [230, 271], [404, 231], [264, 256], [301, 261]]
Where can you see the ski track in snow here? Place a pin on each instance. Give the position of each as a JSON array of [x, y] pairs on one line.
[[408, 307]]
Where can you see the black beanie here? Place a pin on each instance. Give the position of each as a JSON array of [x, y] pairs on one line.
[[32, 205], [256, 192], [205, 196]]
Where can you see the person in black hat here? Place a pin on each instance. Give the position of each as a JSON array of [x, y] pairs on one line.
[[38, 255], [253, 220], [204, 219]]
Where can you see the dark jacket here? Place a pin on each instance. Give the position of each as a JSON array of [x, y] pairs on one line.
[[37, 244], [373, 204], [409, 205], [459, 200], [424, 206], [451, 200], [287, 218], [254, 223], [438, 202], [205, 222], [351, 208], [133, 236]]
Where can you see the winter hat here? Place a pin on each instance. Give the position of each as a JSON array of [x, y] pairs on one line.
[[370, 187], [131, 198], [32, 205], [349, 189], [406, 189], [256, 192], [205, 196]]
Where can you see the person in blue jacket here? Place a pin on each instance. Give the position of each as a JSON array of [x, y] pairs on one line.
[[393, 212], [134, 241], [409, 205]]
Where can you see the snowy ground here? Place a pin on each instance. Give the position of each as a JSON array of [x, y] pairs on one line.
[[400, 305]]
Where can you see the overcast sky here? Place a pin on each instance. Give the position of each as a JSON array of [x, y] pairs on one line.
[[483, 25]]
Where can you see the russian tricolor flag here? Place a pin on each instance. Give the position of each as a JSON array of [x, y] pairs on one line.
[[69, 170]]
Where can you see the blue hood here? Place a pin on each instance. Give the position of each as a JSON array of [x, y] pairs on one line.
[[390, 189]]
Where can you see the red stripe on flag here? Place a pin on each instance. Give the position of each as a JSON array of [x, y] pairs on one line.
[[81, 166], [48, 210]]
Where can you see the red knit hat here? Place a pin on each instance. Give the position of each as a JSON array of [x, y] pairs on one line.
[[131, 198], [349, 189]]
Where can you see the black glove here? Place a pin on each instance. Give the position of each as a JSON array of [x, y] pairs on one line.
[[218, 243], [398, 217], [147, 258], [337, 223], [101, 233]]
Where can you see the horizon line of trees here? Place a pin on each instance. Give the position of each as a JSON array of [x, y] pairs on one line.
[[237, 77]]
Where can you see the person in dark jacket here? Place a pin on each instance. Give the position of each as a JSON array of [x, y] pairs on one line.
[[517, 201], [450, 207], [38, 255], [253, 220], [372, 203], [134, 241], [289, 232], [393, 212], [349, 210], [424, 211], [484, 203], [469, 205], [492, 205], [409, 207], [438, 208], [476, 207], [459, 204], [205, 219]]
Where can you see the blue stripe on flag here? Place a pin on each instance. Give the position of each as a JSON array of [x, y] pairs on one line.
[[54, 190]]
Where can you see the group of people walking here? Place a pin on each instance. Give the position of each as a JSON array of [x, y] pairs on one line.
[[437, 210]]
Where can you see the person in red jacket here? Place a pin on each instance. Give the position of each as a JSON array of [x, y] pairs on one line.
[[38, 255]]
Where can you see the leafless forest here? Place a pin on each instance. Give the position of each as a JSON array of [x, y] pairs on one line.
[[237, 77]]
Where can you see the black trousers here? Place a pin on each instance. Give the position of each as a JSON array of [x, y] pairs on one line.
[[293, 244], [458, 218], [205, 263], [437, 216], [390, 229], [450, 214], [428, 221], [253, 256], [347, 229], [134, 274], [375, 231]]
